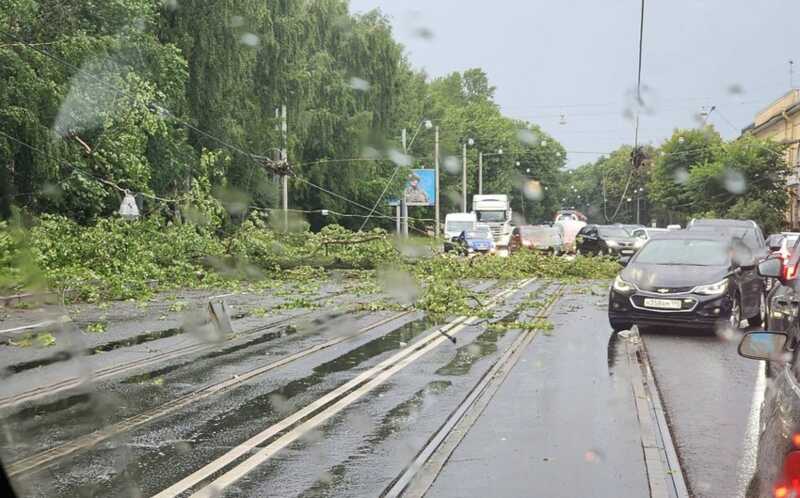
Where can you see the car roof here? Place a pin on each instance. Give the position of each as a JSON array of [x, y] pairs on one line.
[[689, 235], [708, 222]]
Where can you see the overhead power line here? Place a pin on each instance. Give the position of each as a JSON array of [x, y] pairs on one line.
[[636, 125], [154, 107]]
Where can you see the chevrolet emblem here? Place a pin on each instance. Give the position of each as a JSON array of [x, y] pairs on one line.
[[662, 291]]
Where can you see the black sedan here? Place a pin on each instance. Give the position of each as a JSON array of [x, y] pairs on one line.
[[612, 240], [685, 280]]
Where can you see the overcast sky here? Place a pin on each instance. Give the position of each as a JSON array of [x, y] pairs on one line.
[[578, 58]]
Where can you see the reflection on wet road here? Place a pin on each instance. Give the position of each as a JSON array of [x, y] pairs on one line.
[[708, 391]]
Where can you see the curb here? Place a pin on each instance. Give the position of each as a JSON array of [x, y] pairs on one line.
[[664, 472]]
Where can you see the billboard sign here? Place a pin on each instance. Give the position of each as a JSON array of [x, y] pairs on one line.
[[420, 188]]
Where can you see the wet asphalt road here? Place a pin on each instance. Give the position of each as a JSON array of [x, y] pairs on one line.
[[712, 403], [562, 423]]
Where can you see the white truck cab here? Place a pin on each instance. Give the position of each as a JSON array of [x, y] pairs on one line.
[[494, 210], [455, 223]]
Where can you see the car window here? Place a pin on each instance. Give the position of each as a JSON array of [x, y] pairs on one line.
[[613, 232], [684, 252]]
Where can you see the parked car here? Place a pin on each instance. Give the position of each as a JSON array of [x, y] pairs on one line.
[[688, 280], [630, 227], [777, 471], [642, 235], [774, 241], [747, 230], [455, 223], [570, 214], [477, 240], [541, 238], [612, 240], [782, 243]]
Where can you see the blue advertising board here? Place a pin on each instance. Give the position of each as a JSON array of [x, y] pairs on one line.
[[420, 188]]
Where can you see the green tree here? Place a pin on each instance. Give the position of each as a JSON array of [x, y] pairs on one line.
[[673, 164]]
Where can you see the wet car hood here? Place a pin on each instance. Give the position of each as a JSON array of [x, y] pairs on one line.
[[623, 241], [651, 277]]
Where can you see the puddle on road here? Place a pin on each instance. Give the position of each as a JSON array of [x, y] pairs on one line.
[[266, 409], [616, 348], [101, 348], [483, 345], [399, 418], [287, 395]]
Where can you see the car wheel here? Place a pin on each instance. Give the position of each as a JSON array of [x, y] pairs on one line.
[[618, 326], [735, 319], [760, 318]]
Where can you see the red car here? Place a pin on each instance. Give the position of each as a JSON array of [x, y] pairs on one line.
[[542, 238]]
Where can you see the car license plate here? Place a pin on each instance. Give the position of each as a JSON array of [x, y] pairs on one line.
[[669, 304], [627, 251]]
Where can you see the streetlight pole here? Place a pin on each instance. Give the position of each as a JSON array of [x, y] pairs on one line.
[[638, 197], [401, 206], [464, 174], [481, 155], [285, 178], [436, 168], [480, 172]]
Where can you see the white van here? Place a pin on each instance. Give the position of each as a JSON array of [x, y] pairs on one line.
[[455, 223]]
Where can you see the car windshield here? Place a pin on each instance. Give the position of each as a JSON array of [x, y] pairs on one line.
[[491, 216], [689, 252], [459, 226], [613, 232], [306, 248]]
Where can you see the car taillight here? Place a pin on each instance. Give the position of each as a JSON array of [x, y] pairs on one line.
[[789, 483], [789, 271]]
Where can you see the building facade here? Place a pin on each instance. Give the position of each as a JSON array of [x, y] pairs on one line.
[[780, 121]]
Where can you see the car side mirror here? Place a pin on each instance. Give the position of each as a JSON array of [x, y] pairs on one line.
[[763, 345], [771, 267]]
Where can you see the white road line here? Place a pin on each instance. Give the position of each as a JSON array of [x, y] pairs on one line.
[[747, 464], [217, 486], [412, 350]]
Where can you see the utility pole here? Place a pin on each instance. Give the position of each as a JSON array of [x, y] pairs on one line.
[[403, 205], [464, 178], [791, 74], [480, 172], [284, 158], [436, 168]]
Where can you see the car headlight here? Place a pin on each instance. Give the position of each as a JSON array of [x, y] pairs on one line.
[[623, 286], [612, 243], [638, 243], [712, 289]]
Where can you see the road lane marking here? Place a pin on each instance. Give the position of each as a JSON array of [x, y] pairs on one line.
[[747, 464], [391, 364], [661, 461], [417, 478], [51, 455]]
